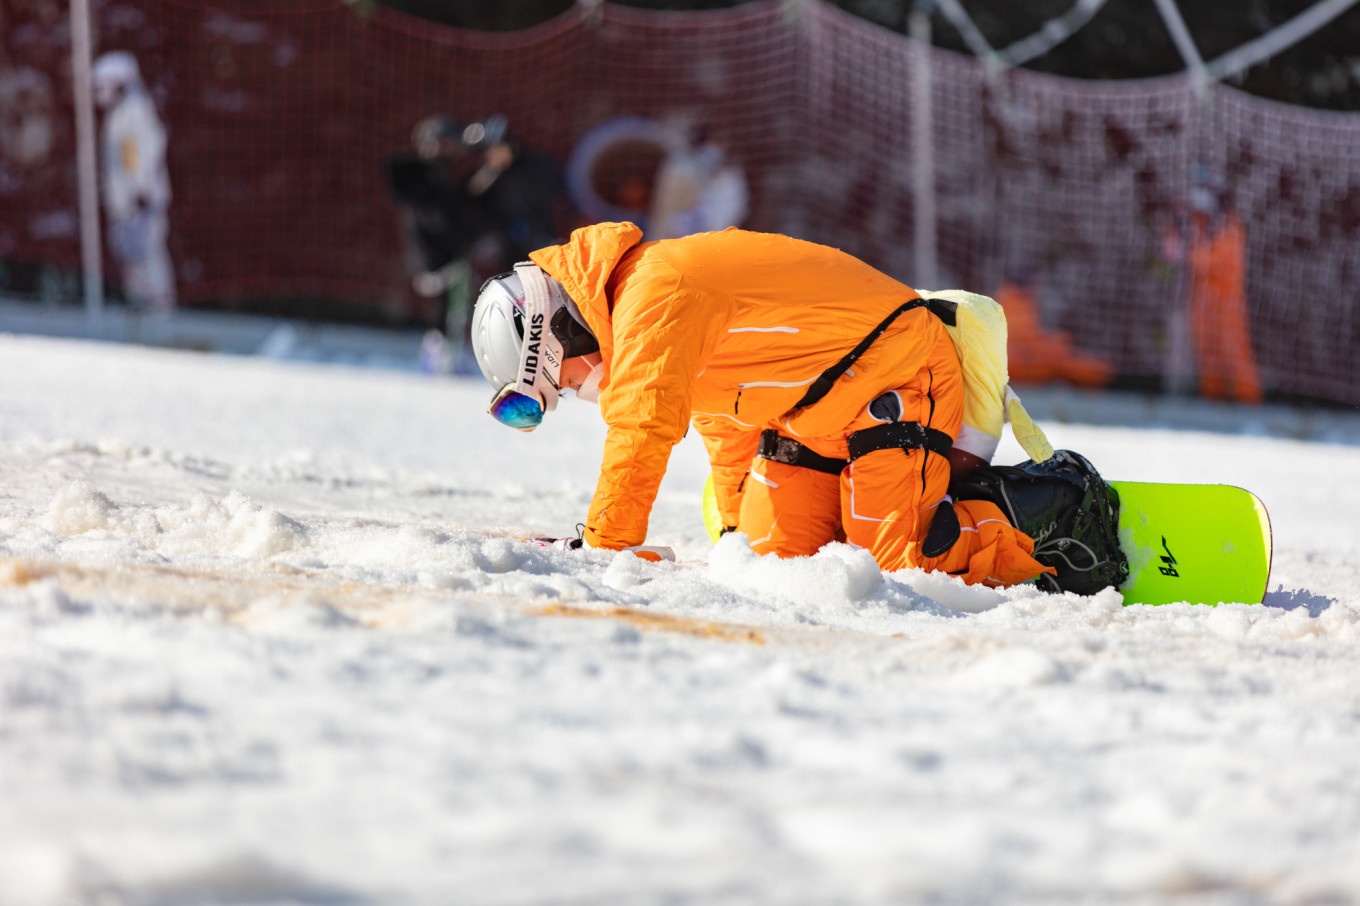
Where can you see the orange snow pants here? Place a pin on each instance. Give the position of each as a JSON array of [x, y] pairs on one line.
[[884, 500]]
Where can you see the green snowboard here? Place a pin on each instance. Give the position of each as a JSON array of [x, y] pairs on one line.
[[1199, 543]]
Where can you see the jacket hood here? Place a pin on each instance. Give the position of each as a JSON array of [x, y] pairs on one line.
[[584, 264]]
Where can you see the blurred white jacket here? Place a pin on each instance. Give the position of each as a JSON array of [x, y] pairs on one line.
[[136, 183], [697, 191]]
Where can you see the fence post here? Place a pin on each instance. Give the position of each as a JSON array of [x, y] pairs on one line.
[[1179, 365], [923, 149], [87, 177]]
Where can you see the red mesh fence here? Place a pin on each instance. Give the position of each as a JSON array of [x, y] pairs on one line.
[[281, 121]]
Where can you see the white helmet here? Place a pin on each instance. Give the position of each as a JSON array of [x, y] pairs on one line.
[[523, 327], [112, 74]]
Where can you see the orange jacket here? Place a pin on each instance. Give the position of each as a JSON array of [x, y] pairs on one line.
[[726, 330]]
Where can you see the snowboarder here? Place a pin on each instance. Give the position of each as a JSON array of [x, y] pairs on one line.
[[830, 397], [136, 182]]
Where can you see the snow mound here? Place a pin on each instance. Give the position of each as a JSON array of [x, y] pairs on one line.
[[233, 525], [837, 577]]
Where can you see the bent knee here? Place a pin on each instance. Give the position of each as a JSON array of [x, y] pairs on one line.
[[789, 511]]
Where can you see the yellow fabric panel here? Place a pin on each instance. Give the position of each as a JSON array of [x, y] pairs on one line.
[[979, 336], [1032, 439]]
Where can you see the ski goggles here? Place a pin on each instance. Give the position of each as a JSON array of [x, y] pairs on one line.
[[516, 410]]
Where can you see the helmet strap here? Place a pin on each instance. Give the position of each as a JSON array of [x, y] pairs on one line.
[[540, 358], [590, 387]]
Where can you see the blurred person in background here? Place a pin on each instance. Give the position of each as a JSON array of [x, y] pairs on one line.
[[1210, 240], [136, 183], [1037, 355], [697, 190], [28, 117], [476, 202], [26, 123]]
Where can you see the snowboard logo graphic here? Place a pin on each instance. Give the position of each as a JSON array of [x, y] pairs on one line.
[[1170, 560]]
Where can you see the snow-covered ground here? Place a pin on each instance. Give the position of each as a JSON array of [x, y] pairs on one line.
[[267, 636]]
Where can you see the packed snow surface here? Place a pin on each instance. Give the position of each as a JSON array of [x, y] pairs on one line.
[[268, 635]]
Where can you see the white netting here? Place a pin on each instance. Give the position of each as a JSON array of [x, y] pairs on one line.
[[282, 119], [1077, 182]]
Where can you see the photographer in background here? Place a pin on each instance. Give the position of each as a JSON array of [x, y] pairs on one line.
[[475, 202]]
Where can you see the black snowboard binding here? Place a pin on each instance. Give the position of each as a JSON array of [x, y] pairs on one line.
[[1069, 511]]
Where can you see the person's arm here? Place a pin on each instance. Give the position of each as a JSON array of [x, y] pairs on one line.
[[731, 447], [662, 335]]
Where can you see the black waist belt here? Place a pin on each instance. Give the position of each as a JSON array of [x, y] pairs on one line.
[[777, 448], [899, 435]]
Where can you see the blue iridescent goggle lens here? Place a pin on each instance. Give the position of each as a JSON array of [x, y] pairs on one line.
[[512, 408]]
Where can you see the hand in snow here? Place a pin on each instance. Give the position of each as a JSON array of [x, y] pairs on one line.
[[646, 552], [565, 544]]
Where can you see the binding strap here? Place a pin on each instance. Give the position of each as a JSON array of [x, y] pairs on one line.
[[899, 435], [777, 448]]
